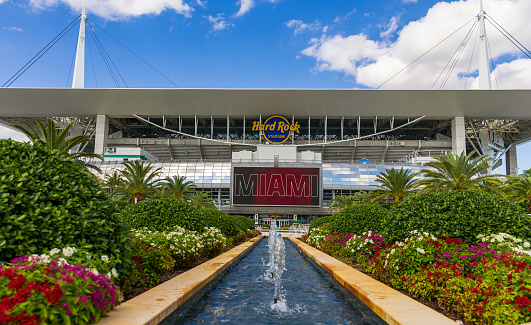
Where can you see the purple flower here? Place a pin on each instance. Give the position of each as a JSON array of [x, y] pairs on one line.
[[463, 257]]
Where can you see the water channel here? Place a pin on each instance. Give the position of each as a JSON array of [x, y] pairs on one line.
[[244, 295]]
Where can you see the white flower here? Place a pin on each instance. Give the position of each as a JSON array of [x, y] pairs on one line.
[[68, 251], [109, 275], [45, 258], [55, 251], [526, 244], [62, 261], [420, 250], [93, 270], [89, 257], [105, 258]]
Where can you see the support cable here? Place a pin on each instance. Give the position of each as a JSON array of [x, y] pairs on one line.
[[447, 37], [43, 51], [492, 65], [108, 56], [520, 46], [454, 63], [134, 53], [98, 45], [450, 60], [471, 57], [71, 66], [92, 63]]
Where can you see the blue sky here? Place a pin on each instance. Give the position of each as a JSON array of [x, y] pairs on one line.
[[264, 43]]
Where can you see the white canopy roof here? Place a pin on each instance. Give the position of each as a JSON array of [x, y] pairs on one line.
[[434, 104]]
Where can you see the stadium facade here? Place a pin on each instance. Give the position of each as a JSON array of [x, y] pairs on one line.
[[284, 152]]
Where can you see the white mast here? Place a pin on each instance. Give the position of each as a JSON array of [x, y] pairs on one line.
[[79, 69], [484, 67]]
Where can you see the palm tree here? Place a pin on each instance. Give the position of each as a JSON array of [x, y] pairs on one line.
[[396, 184], [201, 200], [113, 182], [51, 139], [519, 189], [177, 187], [459, 172], [362, 197], [341, 202], [138, 180]]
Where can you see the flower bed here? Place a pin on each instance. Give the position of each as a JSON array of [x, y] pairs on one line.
[[488, 282], [35, 291], [73, 286]]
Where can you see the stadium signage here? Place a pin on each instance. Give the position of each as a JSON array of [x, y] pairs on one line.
[[276, 186], [276, 129]]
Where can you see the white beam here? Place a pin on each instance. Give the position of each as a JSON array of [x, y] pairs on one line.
[[78, 80], [484, 66], [458, 135], [102, 134]]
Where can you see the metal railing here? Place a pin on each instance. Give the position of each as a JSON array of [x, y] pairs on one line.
[[299, 229]]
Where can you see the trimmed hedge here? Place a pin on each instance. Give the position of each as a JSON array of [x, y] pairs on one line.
[[462, 214], [359, 218], [48, 201], [163, 215], [221, 220], [316, 223], [243, 223]]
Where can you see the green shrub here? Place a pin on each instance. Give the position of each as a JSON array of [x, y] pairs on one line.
[[359, 218], [163, 215], [151, 264], [243, 223], [316, 223], [462, 214], [47, 201], [221, 220]]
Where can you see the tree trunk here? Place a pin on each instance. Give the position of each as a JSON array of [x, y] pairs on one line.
[[138, 197]]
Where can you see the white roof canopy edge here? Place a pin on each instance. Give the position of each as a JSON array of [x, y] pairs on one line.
[[434, 104]]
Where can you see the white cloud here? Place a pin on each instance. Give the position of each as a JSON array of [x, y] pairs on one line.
[[245, 6], [8, 133], [14, 29], [509, 75], [2, 1], [409, 1], [300, 27], [371, 62], [340, 19], [390, 27], [119, 9], [218, 23]]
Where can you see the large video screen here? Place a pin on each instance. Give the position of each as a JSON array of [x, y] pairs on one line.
[[276, 186]]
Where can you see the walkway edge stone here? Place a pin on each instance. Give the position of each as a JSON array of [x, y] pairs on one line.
[[154, 305], [392, 306]]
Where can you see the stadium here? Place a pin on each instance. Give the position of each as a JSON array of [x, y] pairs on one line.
[[285, 152]]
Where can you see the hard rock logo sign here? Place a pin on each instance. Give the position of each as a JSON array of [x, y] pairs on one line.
[[276, 129]]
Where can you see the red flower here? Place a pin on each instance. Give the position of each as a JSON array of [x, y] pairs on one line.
[[510, 276], [475, 290], [479, 309], [522, 301]]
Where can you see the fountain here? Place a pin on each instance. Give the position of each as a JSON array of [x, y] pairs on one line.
[[271, 244], [278, 267], [277, 264], [303, 295]]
